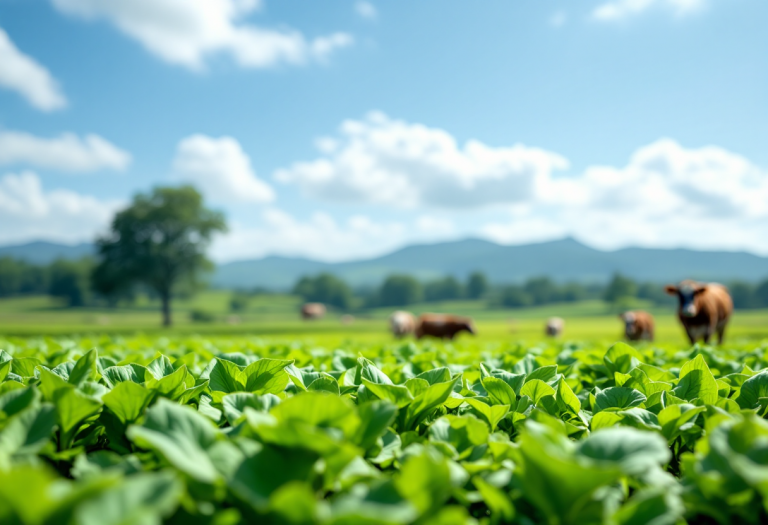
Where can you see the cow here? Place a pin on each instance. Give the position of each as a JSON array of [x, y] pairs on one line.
[[402, 323], [443, 326], [554, 327], [638, 325], [311, 311], [705, 308]]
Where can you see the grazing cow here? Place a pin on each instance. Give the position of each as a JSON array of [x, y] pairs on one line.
[[554, 327], [402, 323], [704, 309], [638, 325], [443, 326], [311, 311]]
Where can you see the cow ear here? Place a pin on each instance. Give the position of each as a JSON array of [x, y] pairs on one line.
[[702, 288], [671, 289]]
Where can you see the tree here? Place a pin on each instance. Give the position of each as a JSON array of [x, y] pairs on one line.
[[159, 241], [400, 290], [541, 290], [743, 295], [69, 280], [514, 297], [477, 285], [324, 288], [620, 288], [444, 289], [761, 293]]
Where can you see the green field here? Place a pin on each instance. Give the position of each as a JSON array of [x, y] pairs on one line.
[[276, 316], [229, 429]]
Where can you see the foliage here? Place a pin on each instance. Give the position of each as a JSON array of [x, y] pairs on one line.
[[400, 290], [221, 431], [477, 285], [445, 289], [620, 288], [325, 288], [158, 241]]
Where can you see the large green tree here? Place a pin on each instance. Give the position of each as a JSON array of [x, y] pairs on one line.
[[158, 241]]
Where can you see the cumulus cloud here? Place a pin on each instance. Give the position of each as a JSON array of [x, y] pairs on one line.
[[28, 212], [187, 32], [23, 74], [67, 152], [320, 237], [380, 160], [622, 9], [366, 10], [666, 195], [220, 168]]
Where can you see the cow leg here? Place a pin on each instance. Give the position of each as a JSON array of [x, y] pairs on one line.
[[720, 334], [691, 338]]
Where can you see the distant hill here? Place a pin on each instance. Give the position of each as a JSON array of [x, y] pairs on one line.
[[563, 260], [41, 252]]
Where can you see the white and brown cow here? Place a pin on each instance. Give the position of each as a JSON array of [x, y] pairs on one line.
[[704, 310], [402, 323], [638, 325], [310, 311], [554, 327]]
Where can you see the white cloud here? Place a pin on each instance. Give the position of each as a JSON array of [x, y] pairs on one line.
[[622, 9], [28, 212], [379, 160], [187, 32], [220, 168], [320, 237], [366, 10], [667, 195], [21, 73], [67, 152]]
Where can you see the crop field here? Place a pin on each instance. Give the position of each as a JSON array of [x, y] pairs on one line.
[[224, 430]]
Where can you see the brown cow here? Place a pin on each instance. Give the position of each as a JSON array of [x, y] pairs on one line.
[[312, 311], [443, 326], [704, 309], [638, 325]]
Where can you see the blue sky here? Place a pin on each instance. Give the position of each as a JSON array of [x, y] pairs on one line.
[[344, 129]]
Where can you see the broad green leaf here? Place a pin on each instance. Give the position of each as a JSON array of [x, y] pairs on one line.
[[375, 417], [618, 397], [397, 394], [325, 383], [544, 373], [566, 399], [267, 376], [499, 502], [500, 391], [536, 389], [171, 386], [27, 432], [233, 405], [753, 389], [24, 366], [696, 382], [371, 372], [52, 384], [128, 400], [492, 414], [84, 368], [634, 450], [424, 403], [180, 436], [118, 374], [72, 407], [425, 480], [436, 375], [227, 377], [160, 367]]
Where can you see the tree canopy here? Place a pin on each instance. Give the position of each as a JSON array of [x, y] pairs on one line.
[[158, 241]]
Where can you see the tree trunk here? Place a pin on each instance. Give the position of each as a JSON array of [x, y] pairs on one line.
[[165, 297]]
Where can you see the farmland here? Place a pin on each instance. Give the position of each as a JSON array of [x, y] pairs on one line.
[[314, 428]]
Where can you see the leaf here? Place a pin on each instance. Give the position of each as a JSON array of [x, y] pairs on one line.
[[24, 366], [72, 407], [171, 386], [397, 394], [325, 383], [371, 372], [51, 384], [697, 382], [128, 400], [500, 391], [181, 436], [375, 417], [566, 399], [544, 373], [424, 403], [267, 376], [496, 500], [491, 414], [84, 368], [536, 389], [27, 432], [752, 390], [319, 409], [233, 405], [436, 375], [227, 377], [618, 397], [634, 450], [114, 375], [425, 480], [160, 367], [146, 497], [621, 358]]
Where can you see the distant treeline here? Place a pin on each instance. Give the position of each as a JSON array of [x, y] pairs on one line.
[[404, 290], [67, 279]]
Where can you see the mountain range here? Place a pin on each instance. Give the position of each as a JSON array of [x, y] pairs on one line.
[[562, 260]]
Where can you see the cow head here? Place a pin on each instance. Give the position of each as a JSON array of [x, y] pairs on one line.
[[630, 323], [686, 293], [469, 326]]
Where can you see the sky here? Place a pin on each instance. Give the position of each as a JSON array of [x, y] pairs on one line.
[[345, 129]]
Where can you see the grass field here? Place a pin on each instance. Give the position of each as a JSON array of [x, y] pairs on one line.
[[276, 317]]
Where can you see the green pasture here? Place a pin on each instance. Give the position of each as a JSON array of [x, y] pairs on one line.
[[276, 317]]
